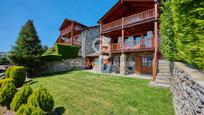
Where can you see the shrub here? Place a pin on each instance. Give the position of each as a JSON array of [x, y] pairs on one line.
[[42, 98], [67, 51], [7, 92], [21, 97], [3, 81], [51, 57], [8, 71], [18, 73], [29, 110]]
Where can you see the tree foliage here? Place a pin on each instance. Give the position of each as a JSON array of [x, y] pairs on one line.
[[7, 92], [29, 110], [28, 49], [42, 98], [18, 74], [21, 97], [187, 22]]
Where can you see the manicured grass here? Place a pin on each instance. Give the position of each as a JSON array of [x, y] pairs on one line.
[[83, 93]]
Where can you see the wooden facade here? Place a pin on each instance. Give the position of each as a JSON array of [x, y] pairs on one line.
[[69, 32], [131, 27]]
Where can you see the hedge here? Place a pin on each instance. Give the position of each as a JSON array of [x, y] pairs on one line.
[[3, 81], [42, 98], [7, 92], [187, 25], [51, 57], [29, 110], [18, 74], [8, 70], [67, 51], [21, 97]]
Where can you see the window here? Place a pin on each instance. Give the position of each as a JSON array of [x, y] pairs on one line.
[[147, 61], [137, 40]]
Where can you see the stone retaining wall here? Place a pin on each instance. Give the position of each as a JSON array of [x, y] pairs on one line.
[[187, 86], [61, 66]]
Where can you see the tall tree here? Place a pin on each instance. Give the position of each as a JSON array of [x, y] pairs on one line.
[[28, 49]]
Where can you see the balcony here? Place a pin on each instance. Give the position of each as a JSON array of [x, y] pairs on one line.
[[143, 44], [130, 20], [75, 43]]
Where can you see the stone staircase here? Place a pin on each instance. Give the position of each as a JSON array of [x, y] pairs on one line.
[[163, 75]]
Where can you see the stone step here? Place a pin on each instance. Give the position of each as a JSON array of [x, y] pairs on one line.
[[163, 78], [163, 74], [164, 71], [164, 68], [154, 84], [162, 82]]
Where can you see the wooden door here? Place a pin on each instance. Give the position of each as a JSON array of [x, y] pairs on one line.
[[146, 65], [138, 64]]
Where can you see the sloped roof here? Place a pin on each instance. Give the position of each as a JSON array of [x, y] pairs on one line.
[[68, 22]]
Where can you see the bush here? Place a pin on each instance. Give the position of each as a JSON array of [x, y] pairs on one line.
[[67, 51], [29, 110], [3, 81], [51, 57], [4, 60], [7, 92], [8, 71], [21, 97], [42, 98], [18, 74]]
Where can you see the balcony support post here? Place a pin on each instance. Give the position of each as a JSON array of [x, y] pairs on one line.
[[123, 35], [154, 73]]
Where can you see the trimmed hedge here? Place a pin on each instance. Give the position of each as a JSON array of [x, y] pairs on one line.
[[7, 92], [182, 28], [8, 71], [51, 57], [67, 51], [29, 110], [3, 81], [21, 97], [18, 74], [42, 98]]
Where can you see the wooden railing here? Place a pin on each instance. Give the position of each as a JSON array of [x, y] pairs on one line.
[[149, 14], [70, 43], [142, 44]]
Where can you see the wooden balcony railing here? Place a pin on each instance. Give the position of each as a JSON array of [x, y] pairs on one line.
[[142, 44], [77, 43], [149, 14]]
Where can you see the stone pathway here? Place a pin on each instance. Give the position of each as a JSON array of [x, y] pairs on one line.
[[140, 76]]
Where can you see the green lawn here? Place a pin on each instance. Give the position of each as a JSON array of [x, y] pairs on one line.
[[83, 93]]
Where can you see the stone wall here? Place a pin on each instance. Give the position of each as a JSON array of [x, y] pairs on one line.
[[61, 66], [187, 86], [88, 39]]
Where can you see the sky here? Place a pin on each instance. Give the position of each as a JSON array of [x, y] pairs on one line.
[[47, 15]]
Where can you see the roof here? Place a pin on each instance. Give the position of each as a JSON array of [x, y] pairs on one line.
[[93, 55], [69, 21], [123, 6]]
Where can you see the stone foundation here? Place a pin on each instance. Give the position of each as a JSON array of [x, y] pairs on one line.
[[187, 86], [61, 66]]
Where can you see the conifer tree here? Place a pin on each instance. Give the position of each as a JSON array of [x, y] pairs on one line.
[[28, 49]]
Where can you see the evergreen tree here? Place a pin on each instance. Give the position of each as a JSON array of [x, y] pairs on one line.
[[28, 50]]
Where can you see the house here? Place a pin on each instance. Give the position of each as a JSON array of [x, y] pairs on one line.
[[87, 38], [129, 38]]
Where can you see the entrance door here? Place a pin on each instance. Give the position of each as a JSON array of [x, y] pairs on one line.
[[147, 65], [138, 64]]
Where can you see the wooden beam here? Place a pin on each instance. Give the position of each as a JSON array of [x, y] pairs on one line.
[[123, 35], [72, 33], [154, 73]]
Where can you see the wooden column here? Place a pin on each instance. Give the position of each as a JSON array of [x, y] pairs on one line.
[[154, 73], [72, 33], [123, 35]]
